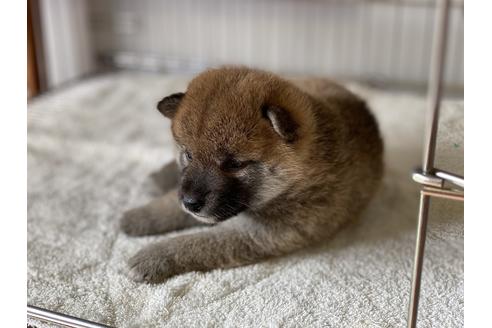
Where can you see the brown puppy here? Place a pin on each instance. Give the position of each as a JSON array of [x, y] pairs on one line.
[[273, 165]]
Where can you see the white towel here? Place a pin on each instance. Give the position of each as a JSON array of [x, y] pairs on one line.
[[91, 148]]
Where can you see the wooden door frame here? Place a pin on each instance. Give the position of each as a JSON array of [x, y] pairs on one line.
[[36, 77], [32, 70]]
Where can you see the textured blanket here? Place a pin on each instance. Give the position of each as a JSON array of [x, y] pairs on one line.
[[91, 148]]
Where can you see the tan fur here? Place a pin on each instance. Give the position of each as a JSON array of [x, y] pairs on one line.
[[309, 187]]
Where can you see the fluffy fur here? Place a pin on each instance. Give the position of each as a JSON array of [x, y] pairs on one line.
[[273, 165]]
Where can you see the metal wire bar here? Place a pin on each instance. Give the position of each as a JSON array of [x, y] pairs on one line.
[[61, 319], [427, 179], [434, 98], [444, 193], [451, 177], [434, 184], [435, 82], [419, 259]]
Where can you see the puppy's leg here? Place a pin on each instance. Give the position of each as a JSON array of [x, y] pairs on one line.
[[161, 215], [221, 246], [167, 177]]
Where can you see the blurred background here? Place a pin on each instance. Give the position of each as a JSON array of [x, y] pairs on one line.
[[381, 42]]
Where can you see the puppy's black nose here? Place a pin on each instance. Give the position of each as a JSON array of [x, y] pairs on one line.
[[193, 203]]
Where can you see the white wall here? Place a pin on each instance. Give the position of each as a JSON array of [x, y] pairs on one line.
[[67, 45], [371, 40]]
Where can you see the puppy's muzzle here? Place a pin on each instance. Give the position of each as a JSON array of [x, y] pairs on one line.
[[193, 202]]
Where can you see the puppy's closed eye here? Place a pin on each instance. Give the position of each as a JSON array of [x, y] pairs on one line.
[[188, 156], [185, 157]]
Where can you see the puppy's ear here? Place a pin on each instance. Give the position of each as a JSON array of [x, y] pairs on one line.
[[169, 105], [281, 121]]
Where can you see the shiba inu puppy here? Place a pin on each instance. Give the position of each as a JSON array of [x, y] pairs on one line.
[[270, 165]]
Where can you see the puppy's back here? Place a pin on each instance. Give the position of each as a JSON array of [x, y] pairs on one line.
[[360, 157]]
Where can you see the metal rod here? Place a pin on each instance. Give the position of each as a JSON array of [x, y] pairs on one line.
[[60, 318], [427, 179], [444, 193], [434, 98], [435, 82], [419, 259], [451, 177]]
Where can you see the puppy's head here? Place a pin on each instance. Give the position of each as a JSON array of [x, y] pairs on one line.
[[240, 136]]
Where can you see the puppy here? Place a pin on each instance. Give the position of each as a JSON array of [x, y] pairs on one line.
[[271, 165]]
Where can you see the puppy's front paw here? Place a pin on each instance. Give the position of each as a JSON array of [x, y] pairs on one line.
[[151, 265], [135, 222]]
